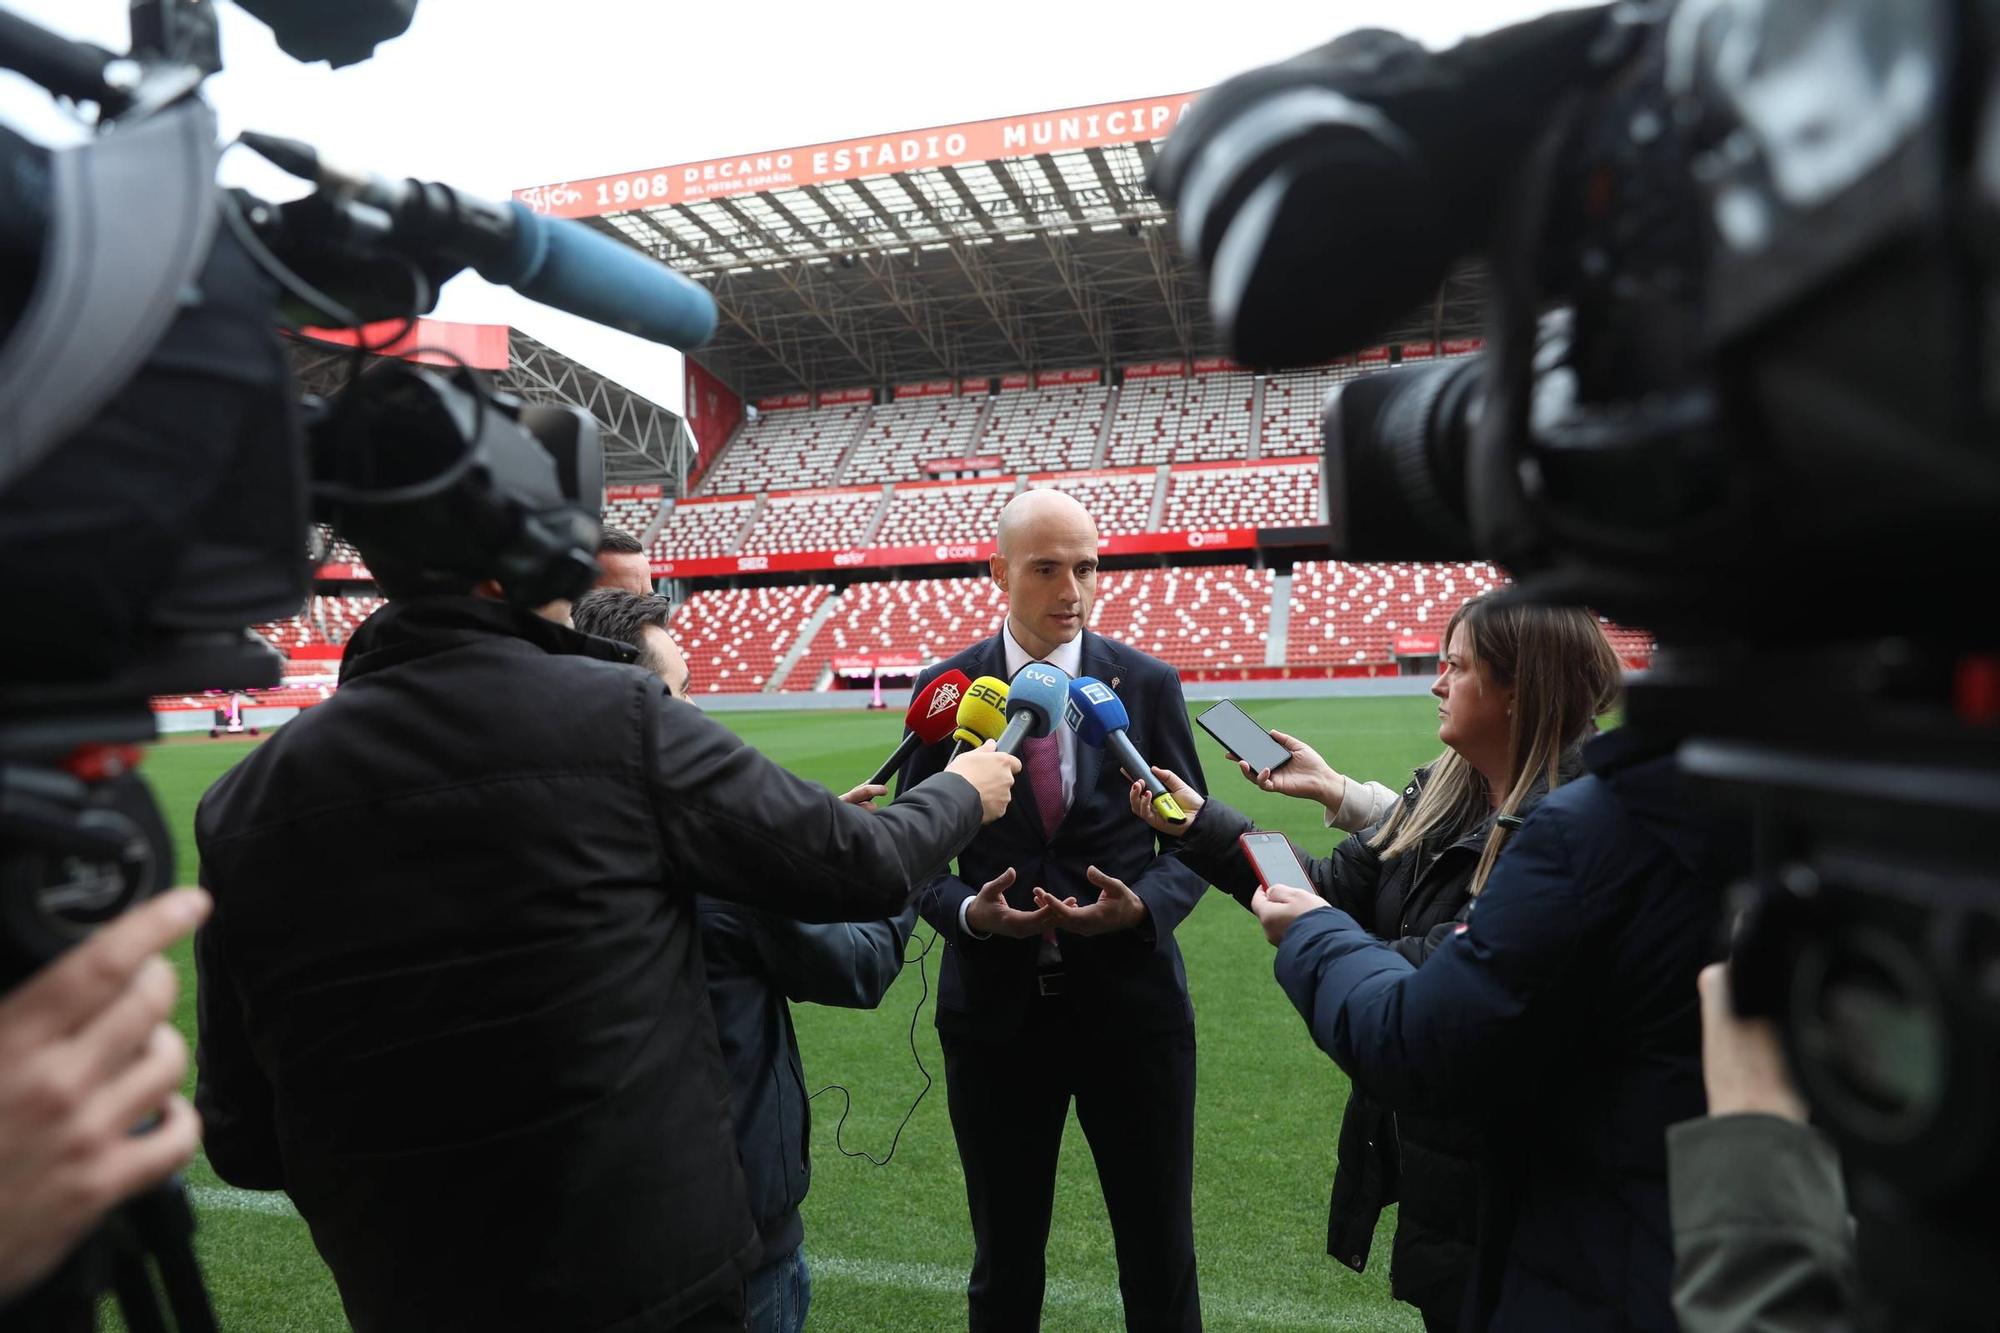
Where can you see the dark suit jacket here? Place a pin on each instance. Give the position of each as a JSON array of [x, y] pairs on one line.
[[1132, 978]]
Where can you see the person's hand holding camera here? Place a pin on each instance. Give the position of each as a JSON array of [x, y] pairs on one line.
[[86, 1056], [991, 775], [1742, 1065]]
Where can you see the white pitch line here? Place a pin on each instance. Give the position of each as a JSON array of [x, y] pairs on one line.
[[1225, 1311]]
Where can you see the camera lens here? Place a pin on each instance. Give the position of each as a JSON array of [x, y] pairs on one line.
[[1394, 467]]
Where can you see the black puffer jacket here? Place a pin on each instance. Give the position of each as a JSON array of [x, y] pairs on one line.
[[1430, 1163], [452, 996]]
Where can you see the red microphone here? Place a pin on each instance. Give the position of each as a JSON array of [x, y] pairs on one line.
[[932, 715]]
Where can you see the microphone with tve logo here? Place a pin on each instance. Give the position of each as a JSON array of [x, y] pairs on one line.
[[928, 719], [1034, 702], [982, 715], [1098, 718]]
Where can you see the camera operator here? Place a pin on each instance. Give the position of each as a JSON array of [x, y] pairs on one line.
[[88, 1050], [1520, 688], [755, 961], [1762, 1238], [452, 998]]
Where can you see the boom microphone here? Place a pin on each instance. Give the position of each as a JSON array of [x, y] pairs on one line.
[[551, 260], [982, 715], [1035, 700], [1098, 717], [928, 720]]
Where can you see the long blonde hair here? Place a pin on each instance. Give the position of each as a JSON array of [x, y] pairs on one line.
[[1564, 676]]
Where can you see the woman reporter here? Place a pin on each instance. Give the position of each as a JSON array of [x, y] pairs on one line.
[[1519, 691]]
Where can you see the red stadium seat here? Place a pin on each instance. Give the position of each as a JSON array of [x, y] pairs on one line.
[[785, 451], [901, 437], [1119, 503], [813, 522], [734, 638], [1046, 430], [1173, 419], [1259, 496], [1193, 618], [699, 530], [921, 515]]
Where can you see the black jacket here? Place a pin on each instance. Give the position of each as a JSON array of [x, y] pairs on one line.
[[757, 960], [1128, 978], [451, 996], [1565, 1018], [1429, 1164]]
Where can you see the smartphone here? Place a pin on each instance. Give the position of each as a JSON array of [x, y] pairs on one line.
[[1272, 857], [1239, 734]]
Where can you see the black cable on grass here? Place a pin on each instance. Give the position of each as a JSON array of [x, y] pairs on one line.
[[848, 1097]]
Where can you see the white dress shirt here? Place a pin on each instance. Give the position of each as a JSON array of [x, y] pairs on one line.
[[1067, 658]]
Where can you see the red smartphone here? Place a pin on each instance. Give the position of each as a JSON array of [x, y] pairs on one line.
[[1272, 857]]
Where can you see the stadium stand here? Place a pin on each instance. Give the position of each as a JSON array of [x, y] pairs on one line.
[[695, 530], [733, 638], [285, 635], [343, 615], [920, 514], [1046, 430], [1631, 645], [1192, 617], [631, 515], [338, 550], [1260, 496], [1120, 502], [1292, 405], [1344, 613], [901, 437], [813, 522], [925, 618], [785, 451], [1181, 420]]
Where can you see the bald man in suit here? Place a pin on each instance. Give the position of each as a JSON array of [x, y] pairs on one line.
[[1061, 979]]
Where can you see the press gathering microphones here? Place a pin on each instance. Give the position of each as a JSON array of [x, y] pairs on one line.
[[1098, 717], [928, 720], [1035, 699], [982, 715]]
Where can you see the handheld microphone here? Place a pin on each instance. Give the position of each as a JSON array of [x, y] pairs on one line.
[[1034, 701], [551, 260], [982, 714], [1098, 717], [928, 719]]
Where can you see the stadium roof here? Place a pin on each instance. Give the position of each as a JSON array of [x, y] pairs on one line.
[[643, 442], [1022, 243]]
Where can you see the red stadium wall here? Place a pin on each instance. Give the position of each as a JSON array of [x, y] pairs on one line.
[[713, 412]]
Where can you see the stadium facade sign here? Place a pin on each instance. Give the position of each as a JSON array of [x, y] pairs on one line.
[[1149, 118]]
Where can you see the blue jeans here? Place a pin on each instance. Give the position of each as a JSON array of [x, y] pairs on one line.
[[775, 1297]]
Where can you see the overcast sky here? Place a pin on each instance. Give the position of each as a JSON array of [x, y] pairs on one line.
[[493, 95]]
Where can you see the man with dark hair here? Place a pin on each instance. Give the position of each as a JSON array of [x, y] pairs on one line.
[[757, 960], [624, 562], [452, 998], [640, 620]]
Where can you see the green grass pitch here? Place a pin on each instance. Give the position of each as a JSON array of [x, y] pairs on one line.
[[890, 1246]]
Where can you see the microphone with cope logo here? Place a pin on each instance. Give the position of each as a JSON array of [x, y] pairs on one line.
[[928, 720], [1035, 700], [982, 714], [1098, 718]]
